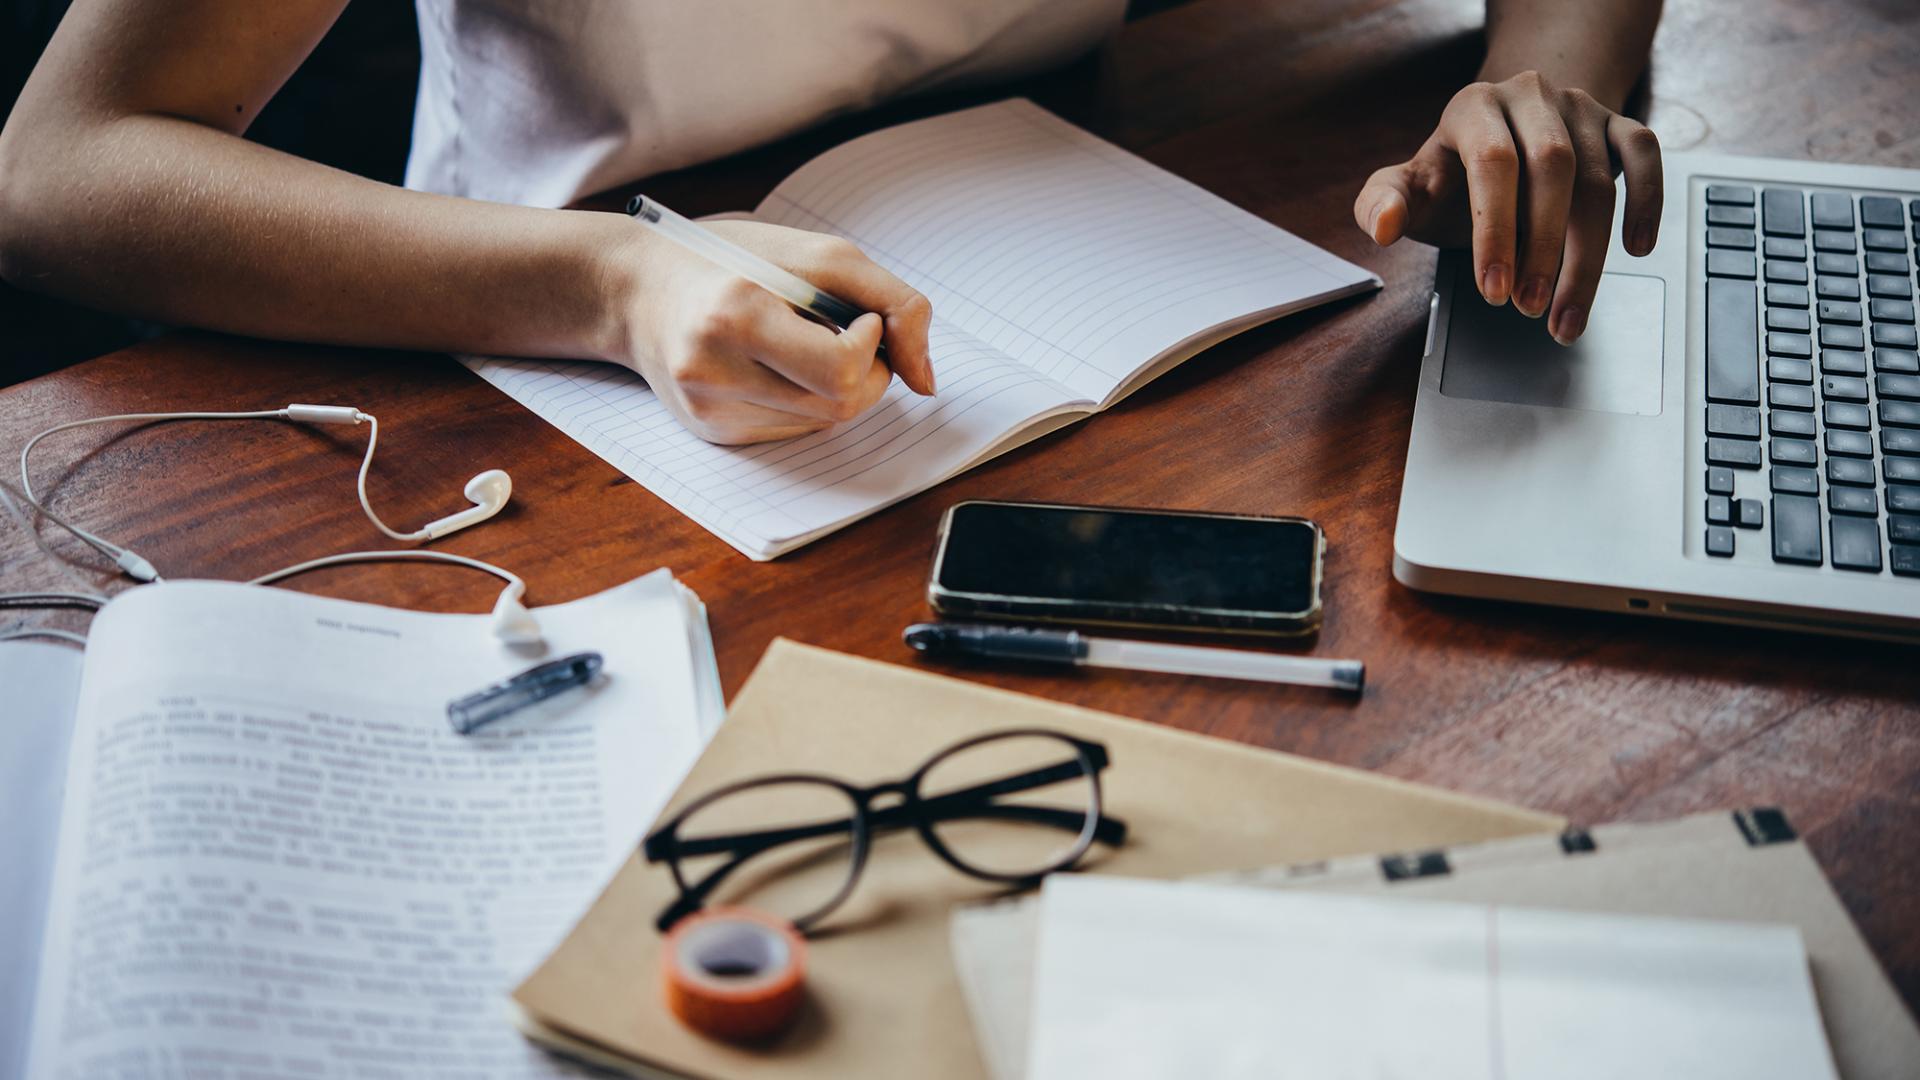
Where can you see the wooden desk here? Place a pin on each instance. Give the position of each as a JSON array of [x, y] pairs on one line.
[[1284, 109]]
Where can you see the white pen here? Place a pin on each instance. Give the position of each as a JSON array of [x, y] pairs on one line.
[[782, 283], [1073, 647]]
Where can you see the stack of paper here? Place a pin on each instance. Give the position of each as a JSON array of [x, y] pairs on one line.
[[274, 857], [1155, 979]]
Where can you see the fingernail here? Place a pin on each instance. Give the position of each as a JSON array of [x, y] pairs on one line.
[[1643, 238], [1533, 297], [1494, 284], [1568, 325]]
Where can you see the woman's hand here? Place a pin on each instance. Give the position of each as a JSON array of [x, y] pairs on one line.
[[1523, 170], [737, 364]]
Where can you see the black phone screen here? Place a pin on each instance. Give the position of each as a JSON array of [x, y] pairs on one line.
[[1130, 557]]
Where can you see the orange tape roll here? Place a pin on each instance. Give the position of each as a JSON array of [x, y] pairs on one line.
[[734, 974]]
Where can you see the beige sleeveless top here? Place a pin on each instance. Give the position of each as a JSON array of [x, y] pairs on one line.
[[543, 101]]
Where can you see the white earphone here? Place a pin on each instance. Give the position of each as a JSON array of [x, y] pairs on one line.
[[512, 623], [488, 491]]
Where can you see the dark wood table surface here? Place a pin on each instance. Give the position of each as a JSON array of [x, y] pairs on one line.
[[1283, 108]]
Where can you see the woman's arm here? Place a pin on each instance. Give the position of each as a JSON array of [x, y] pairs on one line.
[[1522, 163], [124, 184]]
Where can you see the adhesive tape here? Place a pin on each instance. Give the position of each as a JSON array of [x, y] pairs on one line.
[[734, 974]]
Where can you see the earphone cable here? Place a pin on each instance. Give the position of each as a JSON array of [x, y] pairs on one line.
[[508, 576], [125, 558], [366, 464]]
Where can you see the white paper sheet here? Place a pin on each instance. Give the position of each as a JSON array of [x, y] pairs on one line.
[[275, 858], [1156, 979], [39, 684]]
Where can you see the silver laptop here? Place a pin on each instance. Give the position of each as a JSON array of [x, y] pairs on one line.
[[1736, 438]]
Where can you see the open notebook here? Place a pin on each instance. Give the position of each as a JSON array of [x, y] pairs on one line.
[[1064, 274]]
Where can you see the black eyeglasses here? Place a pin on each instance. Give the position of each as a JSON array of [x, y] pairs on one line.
[[1008, 807]]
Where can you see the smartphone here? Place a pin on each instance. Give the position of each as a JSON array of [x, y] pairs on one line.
[[1119, 567]]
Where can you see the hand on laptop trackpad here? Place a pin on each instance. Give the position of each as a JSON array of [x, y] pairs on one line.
[[1498, 354]]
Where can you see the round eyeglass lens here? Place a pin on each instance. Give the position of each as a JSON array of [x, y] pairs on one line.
[[1013, 806], [785, 848]]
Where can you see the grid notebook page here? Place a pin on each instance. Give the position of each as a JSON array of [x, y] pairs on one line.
[[1054, 246], [770, 498]]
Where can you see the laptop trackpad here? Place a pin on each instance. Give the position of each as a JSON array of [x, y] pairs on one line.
[[1498, 354]]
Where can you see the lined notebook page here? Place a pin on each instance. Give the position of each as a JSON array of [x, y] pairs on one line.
[[1056, 247], [770, 498], [1058, 267]]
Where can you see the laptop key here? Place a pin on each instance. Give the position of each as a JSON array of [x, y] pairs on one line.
[[1900, 413], [1850, 471], [1781, 369], [1899, 387], [1793, 425], [1842, 337], [1880, 212], [1782, 213], [1791, 320], [1735, 454], [1796, 530], [1733, 366], [1852, 500], [1749, 514], [1888, 286], [1881, 262], [1791, 452], [1719, 481], [1903, 499], [1883, 240], [1735, 217], [1905, 441], [1838, 311], [1832, 210], [1856, 544], [1739, 239], [1843, 388], [1719, 510], [1843, 265], [1789, 480], [1785, 295], [1904, 470], [1730, 264], [1779, 272], [1894, 336], [1904, 559], [1841, 242], [1903, 529], [1836, 288], [1896, 360], [1733, 194], [1842, 414], [1719, 541], [1778, 247], [1799, 345], [1843, 362], [1850, 443], [1735, 421], [1892, 311], [1782, 396]]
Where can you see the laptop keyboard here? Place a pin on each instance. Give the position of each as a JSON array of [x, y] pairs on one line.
[[1813, 377]]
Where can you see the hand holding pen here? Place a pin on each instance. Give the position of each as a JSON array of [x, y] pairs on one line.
[[721, 337]]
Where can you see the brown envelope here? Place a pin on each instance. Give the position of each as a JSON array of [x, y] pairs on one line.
[[883, 997]]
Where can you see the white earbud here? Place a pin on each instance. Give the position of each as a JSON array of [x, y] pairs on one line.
[[488, 492], [513, 624]]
